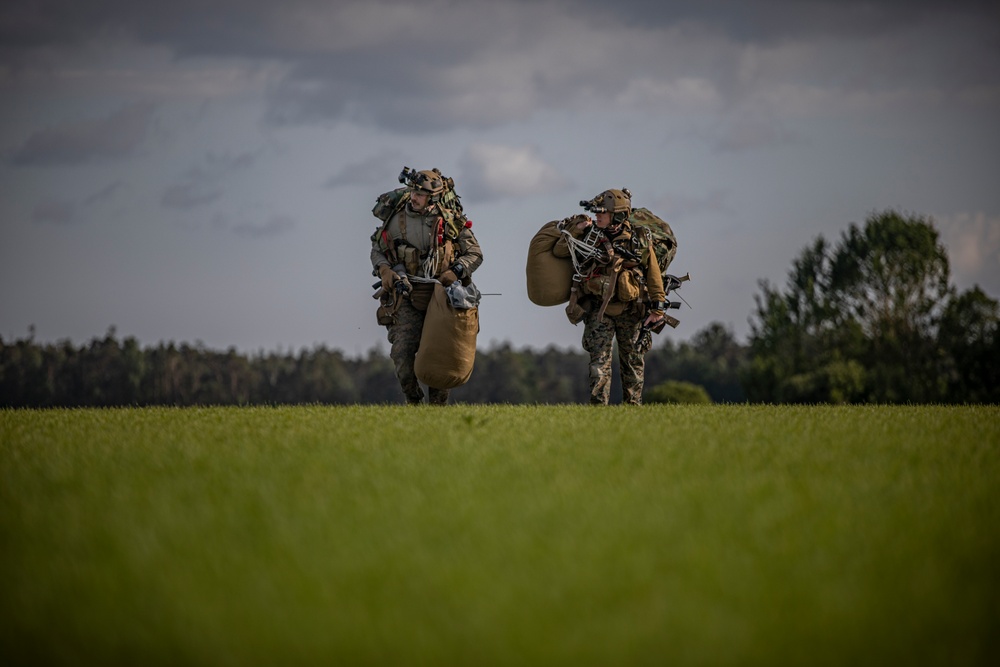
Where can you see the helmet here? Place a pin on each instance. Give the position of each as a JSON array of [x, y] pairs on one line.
[[616, 202], [428, 181]]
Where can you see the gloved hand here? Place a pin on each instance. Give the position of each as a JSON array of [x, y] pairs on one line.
[[389, 277], [448, 277]]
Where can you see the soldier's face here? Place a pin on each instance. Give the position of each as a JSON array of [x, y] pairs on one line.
[[419, 200], [603, 219]]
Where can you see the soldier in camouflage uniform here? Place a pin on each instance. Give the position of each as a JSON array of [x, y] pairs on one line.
[[617, 290], [411, 252]]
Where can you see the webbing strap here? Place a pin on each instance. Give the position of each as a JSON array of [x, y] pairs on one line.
[[612, 287]]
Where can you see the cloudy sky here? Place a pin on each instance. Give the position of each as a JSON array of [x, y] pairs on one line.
[[205, 170]]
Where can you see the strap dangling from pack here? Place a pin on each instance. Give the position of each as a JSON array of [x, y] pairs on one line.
[[611, 287]]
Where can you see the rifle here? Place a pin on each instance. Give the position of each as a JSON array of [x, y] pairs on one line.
[[401, 288], [644, 340]]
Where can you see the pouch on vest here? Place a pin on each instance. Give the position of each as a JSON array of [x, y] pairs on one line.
[[575, 313], [597, 285], [385, 314], [410, 257], [628, 285], [446, 257], [614, 309]]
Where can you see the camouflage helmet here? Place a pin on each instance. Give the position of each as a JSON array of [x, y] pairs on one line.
[[616, 202]]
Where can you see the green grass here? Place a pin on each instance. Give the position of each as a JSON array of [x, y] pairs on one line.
[[479, 535]]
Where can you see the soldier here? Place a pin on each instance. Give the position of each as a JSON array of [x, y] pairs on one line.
[[617, 290], [421, 243]]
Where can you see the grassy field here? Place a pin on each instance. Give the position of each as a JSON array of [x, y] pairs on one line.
[[517, 535]]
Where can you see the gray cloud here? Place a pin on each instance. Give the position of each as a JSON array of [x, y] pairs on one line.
[[64, 211], [273, 226], [774, 21], [201, 184], [189, 195], [259, 28], [115, 136], [223, 163], [104, 194], [683, 206], [512, 61], [59, 212], [369, 172], [484, 63], [747, 132], [248, 225]]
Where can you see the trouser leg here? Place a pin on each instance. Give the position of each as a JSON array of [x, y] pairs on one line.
[[630, 360], [437, 396], [598, 339], [404, 338]]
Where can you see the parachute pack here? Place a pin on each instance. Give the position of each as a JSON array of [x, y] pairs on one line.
[[449, 203], [447, 351], [549, 277]]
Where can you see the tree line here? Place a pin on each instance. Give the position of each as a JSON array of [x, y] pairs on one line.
[[872, 318], [110, 371]]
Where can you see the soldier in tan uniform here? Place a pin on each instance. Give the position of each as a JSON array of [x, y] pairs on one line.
[[421, 243], [618, 288]]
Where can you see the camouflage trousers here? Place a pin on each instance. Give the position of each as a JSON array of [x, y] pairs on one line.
[[598, 340], [404, 339]]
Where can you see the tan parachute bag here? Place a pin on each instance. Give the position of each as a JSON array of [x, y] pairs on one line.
[[447, 349], [549, 277]]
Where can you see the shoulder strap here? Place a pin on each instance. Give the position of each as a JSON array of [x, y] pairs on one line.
[[612, 287], [384, 231]]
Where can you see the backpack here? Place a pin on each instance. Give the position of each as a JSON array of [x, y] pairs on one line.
[[387, 203], [660, 235]]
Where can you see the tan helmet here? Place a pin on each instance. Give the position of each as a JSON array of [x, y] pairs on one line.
[[616, 202], [428, 181]]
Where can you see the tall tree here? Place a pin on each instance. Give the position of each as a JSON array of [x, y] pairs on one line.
[[891, 279], [862, 320]]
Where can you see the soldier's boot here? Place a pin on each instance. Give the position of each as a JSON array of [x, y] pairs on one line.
[[437, 396]]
